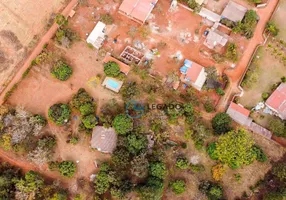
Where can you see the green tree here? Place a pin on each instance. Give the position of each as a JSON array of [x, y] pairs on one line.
[[122, 124], [221, 123], [152, 190], [211, 150], [61, 20], [178, 186], [67, 168], [59, 113], [158, 169], [220, 91], [182, 163], [107, 19], [61, 70], [136, 143], [112, 69], [259, 153], [89, 121], [235, 148]]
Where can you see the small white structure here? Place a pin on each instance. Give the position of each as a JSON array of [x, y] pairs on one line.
[[97, 35], [210, 15]]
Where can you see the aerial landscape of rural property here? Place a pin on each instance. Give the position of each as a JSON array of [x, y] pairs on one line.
[[143, 100]]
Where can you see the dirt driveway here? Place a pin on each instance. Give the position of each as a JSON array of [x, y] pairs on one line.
[[235, 75]]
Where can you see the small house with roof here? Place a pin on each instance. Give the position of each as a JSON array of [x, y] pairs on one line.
[[137, 10], [193, 74], [103, 139], [234, 12], [277, 101]]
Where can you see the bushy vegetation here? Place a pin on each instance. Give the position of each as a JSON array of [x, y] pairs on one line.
[[182, 163], [247, 25], [130, 90], [235, 148], [278, 127], [31, 185], [112, 69], [178, 186], [85, 104], [213, 190], [221, 123], [61, 70], [231, 52], [106, 19], [65, 37], [67, 168], [272, 28], [59, 113], [122, 124]]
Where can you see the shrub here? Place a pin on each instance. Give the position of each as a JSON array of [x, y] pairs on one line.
[[279, 170], [112, 69], [265, 96], [39, 119], [184, 145], [231, 52], [74, 140], [218, 171], [197, 168], [61, 71], [237, 177], [130, 90], [67, 168], [53, 166], [89, 121], [272, 28], [122, 124], [259, 153], [59, 113], [212, 190], [61, 20], [221, 123], [158, 169], [209, 107], [178, 186], [277, 126], [6, 142], [220, 91], [211, 150], [81, 98], [106, 19], [182, 163], [283, 79]]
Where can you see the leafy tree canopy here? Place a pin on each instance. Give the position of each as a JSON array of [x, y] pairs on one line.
[[67, 168], [59, 113], [112, 69], [122, 124], [221, 123], [61, 70]]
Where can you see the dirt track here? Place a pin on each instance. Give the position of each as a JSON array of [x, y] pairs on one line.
[[235, 75]]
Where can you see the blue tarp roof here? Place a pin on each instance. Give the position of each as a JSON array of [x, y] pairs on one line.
[[188, 63]]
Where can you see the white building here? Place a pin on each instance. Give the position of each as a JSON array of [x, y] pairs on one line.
[[97, 35]]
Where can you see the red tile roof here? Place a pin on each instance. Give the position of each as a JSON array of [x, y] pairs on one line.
[[277, 100], [239, 109], [193, 72], [137, 9], [123, 67]]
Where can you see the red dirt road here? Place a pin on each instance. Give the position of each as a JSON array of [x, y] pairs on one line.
[[235, 75], [51, 32]]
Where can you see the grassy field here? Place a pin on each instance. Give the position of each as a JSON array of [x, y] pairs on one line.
[[279, 17], [265, 70]]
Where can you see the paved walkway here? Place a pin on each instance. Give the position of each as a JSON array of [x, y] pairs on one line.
[[235, 75], [38, 49]]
